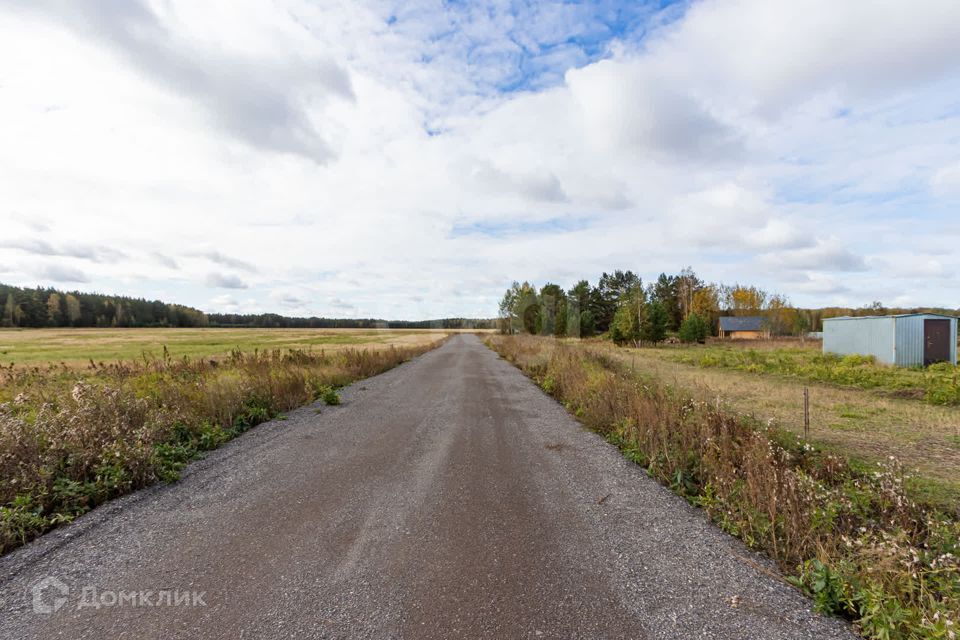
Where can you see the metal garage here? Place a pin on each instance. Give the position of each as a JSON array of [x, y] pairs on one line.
[[905, 340]]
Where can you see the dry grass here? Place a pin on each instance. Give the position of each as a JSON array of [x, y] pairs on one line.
[[76, 347], [855, 423], [938, 384], [853, 539], [71, 439]]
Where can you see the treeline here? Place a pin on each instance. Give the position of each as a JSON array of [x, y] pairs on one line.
[[48, 307], [628, 310], [273, 320]]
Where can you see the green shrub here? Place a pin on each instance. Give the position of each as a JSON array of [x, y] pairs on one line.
[[331, 397], [327, 394], [20, 521]]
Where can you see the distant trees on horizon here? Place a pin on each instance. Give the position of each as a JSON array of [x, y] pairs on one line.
[[625, 309], [273, 320], [620, 305], [49, 307]]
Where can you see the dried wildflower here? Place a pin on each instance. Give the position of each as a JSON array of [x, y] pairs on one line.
[[79, 392]]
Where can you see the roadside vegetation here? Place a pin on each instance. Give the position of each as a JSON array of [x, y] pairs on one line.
[[850, 537], [673, 320], [865, 426], [72, 439], [936, 384]]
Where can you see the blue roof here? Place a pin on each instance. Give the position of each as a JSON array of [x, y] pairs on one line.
[[741, 323]]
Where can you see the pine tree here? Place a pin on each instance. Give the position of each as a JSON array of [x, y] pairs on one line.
[[654, 328], [694, 329]]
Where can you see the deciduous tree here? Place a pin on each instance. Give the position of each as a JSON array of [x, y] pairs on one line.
[[629, 318]]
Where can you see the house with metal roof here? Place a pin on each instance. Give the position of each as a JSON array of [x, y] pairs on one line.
[[743, 327], [904, 340]]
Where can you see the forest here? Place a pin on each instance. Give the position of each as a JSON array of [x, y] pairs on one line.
[[48, 307], [621, 306]]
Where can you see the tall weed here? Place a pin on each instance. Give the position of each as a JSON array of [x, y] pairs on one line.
[[851, 539], [71, 440]]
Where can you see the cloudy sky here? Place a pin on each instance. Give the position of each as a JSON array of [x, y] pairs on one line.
[[409, 159]]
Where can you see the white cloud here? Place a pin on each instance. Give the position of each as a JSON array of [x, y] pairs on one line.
[[774, 55], [909, 266], [262, 100], [778, 234], [164, 260], [334, 156], [627, 105], [37, 246], [62, 274], [825, 255], [819, 284], [225, 260], [224, 303], [946, 181], [225, 281], [541, 186]]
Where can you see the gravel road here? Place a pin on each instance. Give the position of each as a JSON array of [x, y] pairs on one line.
[[447, 498]]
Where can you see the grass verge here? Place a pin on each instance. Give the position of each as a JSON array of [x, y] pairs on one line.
[[847, 536], [855, 423], [937, 384], [71, 440]]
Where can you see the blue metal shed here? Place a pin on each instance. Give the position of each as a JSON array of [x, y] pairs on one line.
[[905, 340]]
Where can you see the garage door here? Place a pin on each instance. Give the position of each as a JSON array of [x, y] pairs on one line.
[[936, 341]]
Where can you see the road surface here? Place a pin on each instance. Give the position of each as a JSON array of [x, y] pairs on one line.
[[447, 498]]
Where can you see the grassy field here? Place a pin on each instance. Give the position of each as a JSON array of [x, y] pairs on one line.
[[74, 437], [853, 537], [865, 424], [78, 346], [938, 384]]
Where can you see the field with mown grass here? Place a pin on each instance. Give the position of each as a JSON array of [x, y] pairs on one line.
[[854, 538], [74, 437], [77, 347], [937, 384], [866, 426]]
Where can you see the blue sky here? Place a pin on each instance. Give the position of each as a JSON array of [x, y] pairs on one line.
[[411, 159], [537, 58]]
